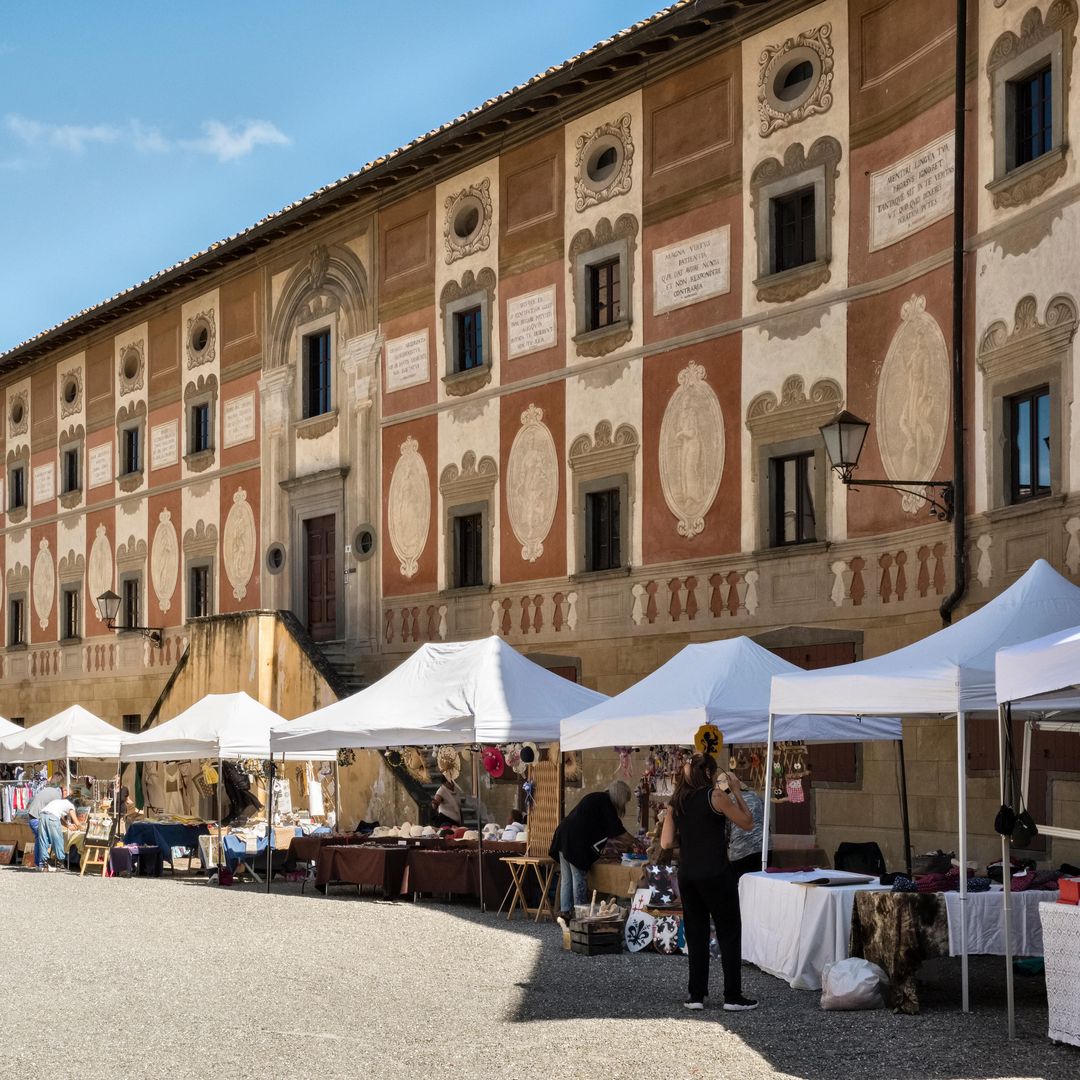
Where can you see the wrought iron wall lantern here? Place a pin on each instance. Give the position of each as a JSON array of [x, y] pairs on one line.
[[108, 605], [844, 436]]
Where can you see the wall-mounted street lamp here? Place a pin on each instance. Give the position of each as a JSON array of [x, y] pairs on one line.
[[108, 605], [844, 436]]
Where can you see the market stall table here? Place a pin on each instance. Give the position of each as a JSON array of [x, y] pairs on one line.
[[1061, 940], [361, 864], [456, 872], [165, 835], [899, 930], [792, 929]]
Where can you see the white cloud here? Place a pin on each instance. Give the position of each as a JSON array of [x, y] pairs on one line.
[[71, 137], [218, 140], [228, 144]]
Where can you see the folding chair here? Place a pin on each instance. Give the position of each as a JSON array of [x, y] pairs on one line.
[[543, 818]]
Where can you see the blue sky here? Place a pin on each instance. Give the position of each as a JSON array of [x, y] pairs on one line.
[[135, 134]]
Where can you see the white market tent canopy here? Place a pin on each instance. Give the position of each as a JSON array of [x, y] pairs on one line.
[[8, 728], [457, 692], [948, 673], [1040, 676], [726, 683], [1043, 674], [951, 671], [216, 727], [73, 733]]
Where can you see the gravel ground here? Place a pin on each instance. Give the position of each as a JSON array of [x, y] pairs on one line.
[[171, 978]]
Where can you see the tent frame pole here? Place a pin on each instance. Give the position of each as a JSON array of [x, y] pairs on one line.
[[270, 826], [479, 828], [767, 800], [218, 855], [961, 782], [904, 815], [1005, 717]]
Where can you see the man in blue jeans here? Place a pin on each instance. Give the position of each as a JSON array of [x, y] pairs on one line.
[[38, 803], [51, 822], [583, 835]]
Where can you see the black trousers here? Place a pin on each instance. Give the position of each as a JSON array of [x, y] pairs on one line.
[[748, 864], [718, 898]]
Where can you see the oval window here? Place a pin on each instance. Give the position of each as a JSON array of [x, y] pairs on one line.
[[275, 558], [603, 163], [17, 412], [467, 221], [200, 338], [71, 391], [131, 365], [794, 82]]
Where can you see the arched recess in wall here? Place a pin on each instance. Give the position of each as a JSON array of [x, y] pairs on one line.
[[331, 274]]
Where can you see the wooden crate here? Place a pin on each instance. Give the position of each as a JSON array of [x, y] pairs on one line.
[[596, 938]]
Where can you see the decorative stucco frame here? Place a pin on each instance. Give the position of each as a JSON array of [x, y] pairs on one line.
[[469, 489], [587, 248], [818, 168], [1011, 58], [477, 196], [812, 46], [1034, 353], [201, 391], [614, 135], [473, 290], [606, 459]]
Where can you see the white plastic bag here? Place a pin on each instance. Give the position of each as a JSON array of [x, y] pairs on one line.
[[853, 983]]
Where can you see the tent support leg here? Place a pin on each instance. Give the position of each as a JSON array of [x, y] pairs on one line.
[[767, 800], [904, 816], [219, 853], [961, 782], [270, 826], [1006, 875], [479, 827]]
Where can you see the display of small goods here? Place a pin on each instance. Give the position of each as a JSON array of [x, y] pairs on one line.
[[98, 828]]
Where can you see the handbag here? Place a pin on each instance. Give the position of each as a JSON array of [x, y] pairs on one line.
[[1019, 825]]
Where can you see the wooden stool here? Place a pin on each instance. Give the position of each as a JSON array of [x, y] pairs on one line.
[[544, 870]]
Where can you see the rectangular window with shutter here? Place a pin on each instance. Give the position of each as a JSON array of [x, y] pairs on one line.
[[603, 547]]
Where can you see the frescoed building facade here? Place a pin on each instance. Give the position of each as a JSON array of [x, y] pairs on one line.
[[556, 371]]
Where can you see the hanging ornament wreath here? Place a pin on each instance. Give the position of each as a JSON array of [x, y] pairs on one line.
[[346, 757], [626, 762]]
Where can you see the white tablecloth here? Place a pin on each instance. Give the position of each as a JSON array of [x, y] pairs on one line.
[[1061, 932], [792, 930], [986, 922]]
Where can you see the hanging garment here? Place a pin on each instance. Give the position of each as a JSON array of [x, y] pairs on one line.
[[316, 805]]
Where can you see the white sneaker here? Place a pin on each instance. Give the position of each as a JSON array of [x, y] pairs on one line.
[[693, 1005]]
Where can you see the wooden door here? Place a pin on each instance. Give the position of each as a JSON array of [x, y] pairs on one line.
[[321, 580], [828, 761]]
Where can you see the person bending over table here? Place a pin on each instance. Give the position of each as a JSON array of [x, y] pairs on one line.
[[447, 804], [54, 817], [41, 799], [582, 836], [705, 799]]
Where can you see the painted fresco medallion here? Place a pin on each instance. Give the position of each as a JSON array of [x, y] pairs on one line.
[[238, 542], [100, 573], [165, 560], [44, 584], [913, 400], [691, 453], [532, 491], [409, 508]]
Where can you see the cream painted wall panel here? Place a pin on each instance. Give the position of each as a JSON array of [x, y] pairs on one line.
[[835, 122], [472, 426], [487, 257], [611, 393], [612, 209], [821, 353]]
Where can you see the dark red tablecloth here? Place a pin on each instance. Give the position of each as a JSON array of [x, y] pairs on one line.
[[362, 864], [456, 873]]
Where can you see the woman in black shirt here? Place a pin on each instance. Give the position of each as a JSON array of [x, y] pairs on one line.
[[704, 801]]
